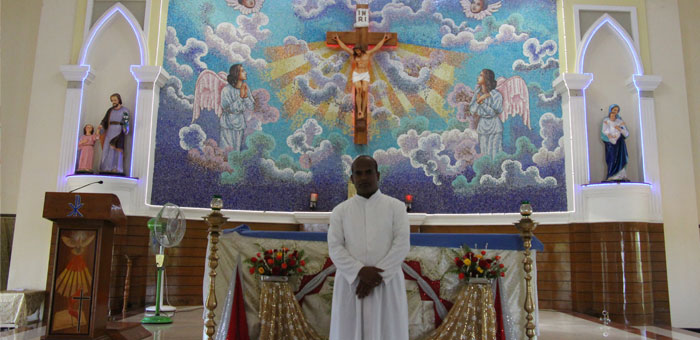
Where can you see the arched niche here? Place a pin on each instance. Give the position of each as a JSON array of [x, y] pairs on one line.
[[113, 45], [608, 53]]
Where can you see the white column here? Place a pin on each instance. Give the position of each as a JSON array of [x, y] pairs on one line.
[[150, 79], [77, 77], [571, 87], [644, 86]]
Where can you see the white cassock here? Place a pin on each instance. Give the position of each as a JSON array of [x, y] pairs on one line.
[[369, 232]]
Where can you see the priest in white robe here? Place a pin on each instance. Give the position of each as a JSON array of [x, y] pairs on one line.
[[368, 240]]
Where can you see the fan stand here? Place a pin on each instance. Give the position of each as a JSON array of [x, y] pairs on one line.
[[157, 318], [167, 310]]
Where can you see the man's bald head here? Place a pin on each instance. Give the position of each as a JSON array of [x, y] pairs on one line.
[[364, 158], [365, 175]]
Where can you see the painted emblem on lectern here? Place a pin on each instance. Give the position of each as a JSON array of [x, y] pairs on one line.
[[75, 207]]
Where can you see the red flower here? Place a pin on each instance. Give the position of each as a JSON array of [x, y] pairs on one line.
[[291, 262], [498, 257], [503, 274], [501, 265], [269, 261], [284, 266], [258, 254], [269, 251], [461, 276], [302, 262], [253, 259], [488, 266], [299, 269], [279, 257], [252, 270], [483, 252]]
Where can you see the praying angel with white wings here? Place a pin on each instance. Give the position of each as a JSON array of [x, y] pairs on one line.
[[230, 98], [492, 103]]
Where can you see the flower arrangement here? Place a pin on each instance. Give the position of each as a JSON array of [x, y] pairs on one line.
[[472, 265], [277, 262]]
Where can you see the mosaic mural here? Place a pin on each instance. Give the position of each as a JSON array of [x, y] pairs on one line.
[[456, 137]]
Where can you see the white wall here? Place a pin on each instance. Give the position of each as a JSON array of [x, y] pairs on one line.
[[680, 212], [41, 149], [19, 26], [111, 54], [612, 66], [690, 31]]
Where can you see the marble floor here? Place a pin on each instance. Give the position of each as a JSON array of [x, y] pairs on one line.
[[554, 325]]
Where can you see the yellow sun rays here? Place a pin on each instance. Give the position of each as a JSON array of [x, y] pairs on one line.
[[288, 62]]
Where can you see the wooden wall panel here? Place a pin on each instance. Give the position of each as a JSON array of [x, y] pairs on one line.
[[581, 268]]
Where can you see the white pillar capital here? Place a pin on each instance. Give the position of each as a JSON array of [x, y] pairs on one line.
[[645, 84], [149, 74], [77, 73], [572, 83]]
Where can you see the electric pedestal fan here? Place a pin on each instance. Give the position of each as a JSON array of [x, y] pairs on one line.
[[167, 230]]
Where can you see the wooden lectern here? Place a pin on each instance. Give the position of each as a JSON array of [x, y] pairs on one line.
[[82, 263]]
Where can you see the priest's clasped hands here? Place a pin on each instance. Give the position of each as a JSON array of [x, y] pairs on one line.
[[369, 278]]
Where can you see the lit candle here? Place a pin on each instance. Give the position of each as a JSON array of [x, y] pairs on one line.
[[314, 197], [409, 198]]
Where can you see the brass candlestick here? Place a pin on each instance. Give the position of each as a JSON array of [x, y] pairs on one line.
[[215, 220], [526, 226]]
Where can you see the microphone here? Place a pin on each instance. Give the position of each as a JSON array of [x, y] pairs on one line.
[[89, 184]]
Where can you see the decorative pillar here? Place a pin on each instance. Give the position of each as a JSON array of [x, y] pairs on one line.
[[526, 226], [77, 76], [571, 87], [215, 220], [644, 86], [150, 80]]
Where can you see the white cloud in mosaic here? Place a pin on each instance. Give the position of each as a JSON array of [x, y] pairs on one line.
[[235, 43], [270, 170], [308, 9], [427, 151], [552, 133], [174, 95], [513, 177], [191, 53], [302, 139], [192, 137], [398, 12], [537, 55]]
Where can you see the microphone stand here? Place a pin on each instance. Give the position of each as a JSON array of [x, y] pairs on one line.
[[89, 184]]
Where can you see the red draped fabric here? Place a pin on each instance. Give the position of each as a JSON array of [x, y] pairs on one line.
[[238, 325]]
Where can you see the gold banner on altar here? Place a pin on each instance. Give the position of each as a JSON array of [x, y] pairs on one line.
[[280, 314], [473, 315]]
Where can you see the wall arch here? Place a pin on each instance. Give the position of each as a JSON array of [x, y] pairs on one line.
[[609, 54], [106, 18], [621, 33]]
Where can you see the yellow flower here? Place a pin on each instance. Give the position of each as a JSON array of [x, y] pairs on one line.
[[479, 269], [467, 262], [279, 254], [479, 256], [261, 270]]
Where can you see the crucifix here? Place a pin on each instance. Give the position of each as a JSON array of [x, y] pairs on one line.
[[80, 299], [361, 38]]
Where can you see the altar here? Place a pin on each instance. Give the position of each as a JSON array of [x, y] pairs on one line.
[[429, 288]]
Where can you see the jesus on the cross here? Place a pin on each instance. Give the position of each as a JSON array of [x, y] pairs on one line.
[[360, 71]]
